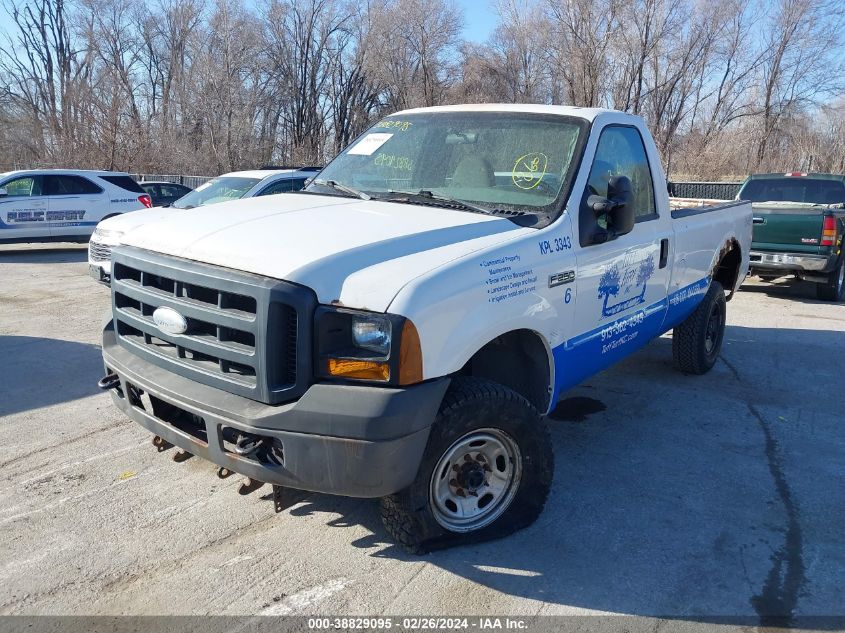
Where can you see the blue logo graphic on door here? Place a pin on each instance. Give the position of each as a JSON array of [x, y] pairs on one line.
[[623, 284]]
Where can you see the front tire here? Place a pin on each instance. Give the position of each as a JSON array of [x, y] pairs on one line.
[[485, 473], [834, 289], [697, 341]]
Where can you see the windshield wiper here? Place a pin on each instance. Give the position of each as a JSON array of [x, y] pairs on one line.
[[332, 184], [441, 201]]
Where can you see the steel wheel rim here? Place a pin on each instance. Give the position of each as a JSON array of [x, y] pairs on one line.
[[711, 335], [487, 492]]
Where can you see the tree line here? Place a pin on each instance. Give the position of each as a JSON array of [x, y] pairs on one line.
[[727, 87]]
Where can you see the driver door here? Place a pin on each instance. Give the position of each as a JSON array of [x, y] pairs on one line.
[[621, 283]]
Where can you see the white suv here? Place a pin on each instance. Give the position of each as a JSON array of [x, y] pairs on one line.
[[232, 186], [63, 205]]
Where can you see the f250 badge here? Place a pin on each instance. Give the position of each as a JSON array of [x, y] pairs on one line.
[[559, 279]]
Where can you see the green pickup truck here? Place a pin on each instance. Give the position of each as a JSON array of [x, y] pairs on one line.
[[799, 221]]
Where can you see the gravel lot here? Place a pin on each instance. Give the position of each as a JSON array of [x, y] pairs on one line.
[[674, 496]]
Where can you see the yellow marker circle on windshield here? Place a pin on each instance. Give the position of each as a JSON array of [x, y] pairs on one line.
[[529, 169]]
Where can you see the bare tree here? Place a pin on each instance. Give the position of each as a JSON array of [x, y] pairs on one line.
[[804, 61]]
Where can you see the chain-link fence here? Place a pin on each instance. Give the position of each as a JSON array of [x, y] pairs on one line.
[[189, 181], [708, 190]]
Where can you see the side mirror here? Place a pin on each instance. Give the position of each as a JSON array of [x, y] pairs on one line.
[[622, 216], [3, 192], [617, 209]]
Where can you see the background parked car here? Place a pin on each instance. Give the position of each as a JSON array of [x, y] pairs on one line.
[[238, 184], [164, 193], [63, 205]]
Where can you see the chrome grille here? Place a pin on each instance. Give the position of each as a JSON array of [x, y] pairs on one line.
[[99, 252], [246, 334]]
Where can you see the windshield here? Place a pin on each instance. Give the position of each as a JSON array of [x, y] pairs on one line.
[[794, 189], [218, 189], [494, 160]]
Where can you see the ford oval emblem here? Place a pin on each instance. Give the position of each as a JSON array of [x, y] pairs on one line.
[[170, 321]]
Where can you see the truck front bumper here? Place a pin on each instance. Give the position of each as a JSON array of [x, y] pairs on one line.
[[356, 441], [788, 262]]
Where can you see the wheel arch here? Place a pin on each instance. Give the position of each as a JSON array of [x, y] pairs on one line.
[[519, 359], [727, 265]]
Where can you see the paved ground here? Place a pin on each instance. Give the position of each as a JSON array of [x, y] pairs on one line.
[[677, 496]]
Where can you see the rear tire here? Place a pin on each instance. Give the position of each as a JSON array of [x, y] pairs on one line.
[[485, 473], [697, 341], [834, 289]]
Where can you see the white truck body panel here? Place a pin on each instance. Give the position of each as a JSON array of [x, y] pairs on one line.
[[112, 229], [463, 278]]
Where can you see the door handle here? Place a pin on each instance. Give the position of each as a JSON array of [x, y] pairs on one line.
[[759, 220], [664, 252]]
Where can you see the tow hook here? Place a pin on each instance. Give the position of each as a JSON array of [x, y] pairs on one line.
[[182, 456], [161, 444], [108, 382], [249, 486], [247, 444]]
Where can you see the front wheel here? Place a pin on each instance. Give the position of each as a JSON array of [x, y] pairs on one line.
[[834, 288], [485, 473], [697, 341]]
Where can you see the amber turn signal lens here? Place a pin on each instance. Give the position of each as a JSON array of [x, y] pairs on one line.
[[362, 369], [410, 355]]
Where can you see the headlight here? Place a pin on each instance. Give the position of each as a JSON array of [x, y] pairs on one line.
[[372, 333], [107, 235], [358, 345]]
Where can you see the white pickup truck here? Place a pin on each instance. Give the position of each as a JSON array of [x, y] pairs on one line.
[[401, 327]]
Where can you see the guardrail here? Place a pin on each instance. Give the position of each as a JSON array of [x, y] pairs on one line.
[[714, 190]]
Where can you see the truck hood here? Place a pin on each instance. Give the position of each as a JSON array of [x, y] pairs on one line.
[[133, 219], [351, 252]]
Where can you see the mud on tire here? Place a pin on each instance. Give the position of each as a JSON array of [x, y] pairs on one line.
[[478, 424]]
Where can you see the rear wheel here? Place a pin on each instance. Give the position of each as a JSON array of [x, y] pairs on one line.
[[697, 341], [834, 288], [485, 473]]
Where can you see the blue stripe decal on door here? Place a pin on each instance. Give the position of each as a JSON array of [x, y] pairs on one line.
[[586, 354]]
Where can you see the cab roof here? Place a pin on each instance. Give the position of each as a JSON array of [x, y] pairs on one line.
[[797, 174], [529, 108], [85, 172]]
